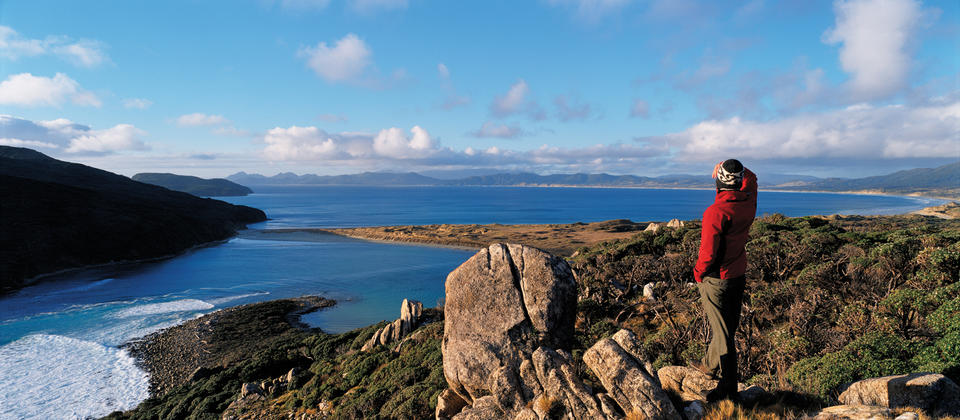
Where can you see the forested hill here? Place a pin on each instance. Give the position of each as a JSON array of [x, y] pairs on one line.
[[58, 215]]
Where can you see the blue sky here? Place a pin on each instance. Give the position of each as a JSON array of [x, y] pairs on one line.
[[844, 88]]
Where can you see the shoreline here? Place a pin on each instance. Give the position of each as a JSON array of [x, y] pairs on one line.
[[640, 187], [198, 347]]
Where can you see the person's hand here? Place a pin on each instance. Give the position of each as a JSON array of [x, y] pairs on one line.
[[715, 169]]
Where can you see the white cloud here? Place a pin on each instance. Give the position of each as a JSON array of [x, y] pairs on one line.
[[856, 132], [874, 37], [26, 143], [371, 6], [137, 103], [393, 143], [201, 119], [302, 5], [568, 111], [592, 11], [640, 109], [119, 137], [492, 129], [516, 101], [230, 131], [443, 71], [345, 61], [71, 137], [512, 101], [26, 89], [83, 53]]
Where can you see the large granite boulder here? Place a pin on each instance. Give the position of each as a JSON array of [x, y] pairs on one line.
[[853, 412], [501, 305], [629, 377], [932, 392]]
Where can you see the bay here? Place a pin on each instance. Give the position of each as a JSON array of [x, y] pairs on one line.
[[59, 338]]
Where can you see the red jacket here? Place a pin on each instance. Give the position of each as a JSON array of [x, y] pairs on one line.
[[726, 229]]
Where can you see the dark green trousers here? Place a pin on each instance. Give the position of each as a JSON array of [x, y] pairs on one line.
[[721, 300]]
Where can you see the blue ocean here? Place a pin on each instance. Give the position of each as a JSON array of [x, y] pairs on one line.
[[59, 338]]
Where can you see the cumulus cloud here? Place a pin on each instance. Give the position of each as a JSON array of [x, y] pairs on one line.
[[640, 109], [516, 101], [70, 137], [492, 129], [310, 143], [856, 132], [344, 61], [26, 89], [137, 103], [83, 53], [200, 119], [875, 36], [569, 111]]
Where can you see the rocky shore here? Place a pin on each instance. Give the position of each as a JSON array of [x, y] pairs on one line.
[[185, 352]]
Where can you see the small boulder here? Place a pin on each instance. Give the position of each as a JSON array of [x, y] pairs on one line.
[[686, 382], [627, 379], [853, 412], [932, 392], [648, 292], [909, 415], [675, 223], [694, 411], [250, 388], [449, 404], [653, 227]]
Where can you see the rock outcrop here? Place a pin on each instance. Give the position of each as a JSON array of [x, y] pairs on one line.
[[629, 377], [853, 412], [410, 313], [931, 392], [501, 305], [509, 318]]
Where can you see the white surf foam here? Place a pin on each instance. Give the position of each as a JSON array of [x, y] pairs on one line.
[[221, 301], [182, 305], [55, 377]]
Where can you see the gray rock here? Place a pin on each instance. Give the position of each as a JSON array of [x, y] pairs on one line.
[[686, 382], [694, 411], [932, 392], [909, 415], [526, 414], [853, 412], [501, 304], [449, 404], [250, 388], [648, 292], [559, 381], [484, 408], [410, 312], [627, 380]]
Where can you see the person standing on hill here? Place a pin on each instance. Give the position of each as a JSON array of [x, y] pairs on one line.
[[720, 269]]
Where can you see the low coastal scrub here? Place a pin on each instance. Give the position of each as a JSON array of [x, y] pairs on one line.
[[334, 380], [828, 300]]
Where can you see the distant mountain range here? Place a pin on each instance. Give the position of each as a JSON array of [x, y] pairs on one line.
[[943, 181], [502, 179], [216, 187], [57, 215]]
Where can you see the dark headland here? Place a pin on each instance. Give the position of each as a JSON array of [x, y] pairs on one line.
[[216, 187], [58, 215]]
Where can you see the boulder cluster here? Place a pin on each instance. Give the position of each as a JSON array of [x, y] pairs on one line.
[[508, 330], [410, 313]]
